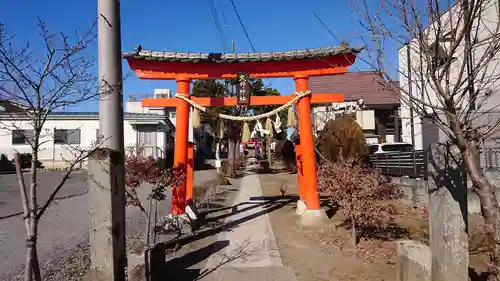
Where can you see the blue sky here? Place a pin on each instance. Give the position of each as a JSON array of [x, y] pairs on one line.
[[275, 25]]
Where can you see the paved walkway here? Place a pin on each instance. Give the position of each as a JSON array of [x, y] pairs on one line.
[[252, 253]]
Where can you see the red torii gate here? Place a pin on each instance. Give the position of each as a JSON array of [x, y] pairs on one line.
[[301, 64]]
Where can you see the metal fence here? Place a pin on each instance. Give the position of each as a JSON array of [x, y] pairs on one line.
[[490, 158], [414, 164], [397, 164]]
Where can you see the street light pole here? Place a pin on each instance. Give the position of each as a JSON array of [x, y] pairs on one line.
[[106, 166]]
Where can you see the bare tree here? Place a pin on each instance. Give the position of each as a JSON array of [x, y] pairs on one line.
[[42, 79], [448, 71]]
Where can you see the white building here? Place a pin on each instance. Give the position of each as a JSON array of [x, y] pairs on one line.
[[150, 128], [197, 136], [135, 106], [321, 114], [379, 117], [423, 131], [64, 132]]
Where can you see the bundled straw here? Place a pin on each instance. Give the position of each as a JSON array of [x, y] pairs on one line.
[[219, 129], [246, 132], [196, 118], [269, 127], [291, 120]]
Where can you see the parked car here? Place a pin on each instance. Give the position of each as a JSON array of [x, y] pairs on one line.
[[381, 148]]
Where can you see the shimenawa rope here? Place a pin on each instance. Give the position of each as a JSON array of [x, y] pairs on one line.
[[298, 96]]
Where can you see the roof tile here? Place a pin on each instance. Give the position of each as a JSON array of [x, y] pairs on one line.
[[139, 53], [368, 85]]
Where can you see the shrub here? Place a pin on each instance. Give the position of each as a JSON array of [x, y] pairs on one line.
[[342, 136], [6, 165], [361, 193], [285, 150], [139, 170], [26, 159]]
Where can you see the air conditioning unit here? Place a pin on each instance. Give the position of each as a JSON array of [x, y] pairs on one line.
[[162, 94]]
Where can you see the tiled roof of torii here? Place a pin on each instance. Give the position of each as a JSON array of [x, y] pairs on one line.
[[315, 53]]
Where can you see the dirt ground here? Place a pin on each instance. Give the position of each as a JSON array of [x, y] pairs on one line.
[[326, 253]]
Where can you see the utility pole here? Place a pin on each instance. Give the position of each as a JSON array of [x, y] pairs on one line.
[[106, 165], [232, 46]]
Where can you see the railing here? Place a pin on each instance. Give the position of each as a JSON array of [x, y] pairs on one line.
[[490, 158], [153, 151], [398, 164], [414, 164]]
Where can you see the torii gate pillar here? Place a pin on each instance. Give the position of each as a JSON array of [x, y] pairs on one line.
[[313, 215], [181, 145]]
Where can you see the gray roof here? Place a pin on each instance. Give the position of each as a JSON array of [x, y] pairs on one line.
[[139, 53], [90, 116], [125, 114], [10, 106]]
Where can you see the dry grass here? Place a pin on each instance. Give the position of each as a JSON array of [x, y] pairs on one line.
[[374, 256]]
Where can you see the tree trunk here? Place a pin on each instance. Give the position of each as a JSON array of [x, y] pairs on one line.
[[230, 156], [489, 205], [354, 235], [237, 155], [32, 264], [28, 269], [235, 151], [268, 146]]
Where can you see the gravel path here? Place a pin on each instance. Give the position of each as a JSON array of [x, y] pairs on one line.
[[63, 239]]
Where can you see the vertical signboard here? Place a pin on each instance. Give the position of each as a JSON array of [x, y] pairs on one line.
[[242, 89]]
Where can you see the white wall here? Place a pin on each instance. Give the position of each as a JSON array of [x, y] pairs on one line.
[[366, 119], [53, 155], [136, 107], [424, 92], [320, 115]]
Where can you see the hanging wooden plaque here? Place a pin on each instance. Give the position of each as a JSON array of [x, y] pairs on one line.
[[242, 89]]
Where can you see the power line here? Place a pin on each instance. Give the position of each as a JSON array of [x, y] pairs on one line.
[[326, 27], [216, 30], [270, 84], [224, 19], [216, 22], [242, 25], [215, 15]]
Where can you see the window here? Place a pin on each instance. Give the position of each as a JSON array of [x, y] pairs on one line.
[[146, 139], [397, 147], [438, 55], [22, 136], [438, 51], [64, 136]]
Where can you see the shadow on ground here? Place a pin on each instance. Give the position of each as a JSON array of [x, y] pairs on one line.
[[179, 268], [478, 276], [202, 165]]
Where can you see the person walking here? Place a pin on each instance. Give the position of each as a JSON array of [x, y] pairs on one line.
[[217, 151], [217, 157]]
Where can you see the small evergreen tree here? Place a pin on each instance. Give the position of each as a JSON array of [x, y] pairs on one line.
[[342, 138]]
